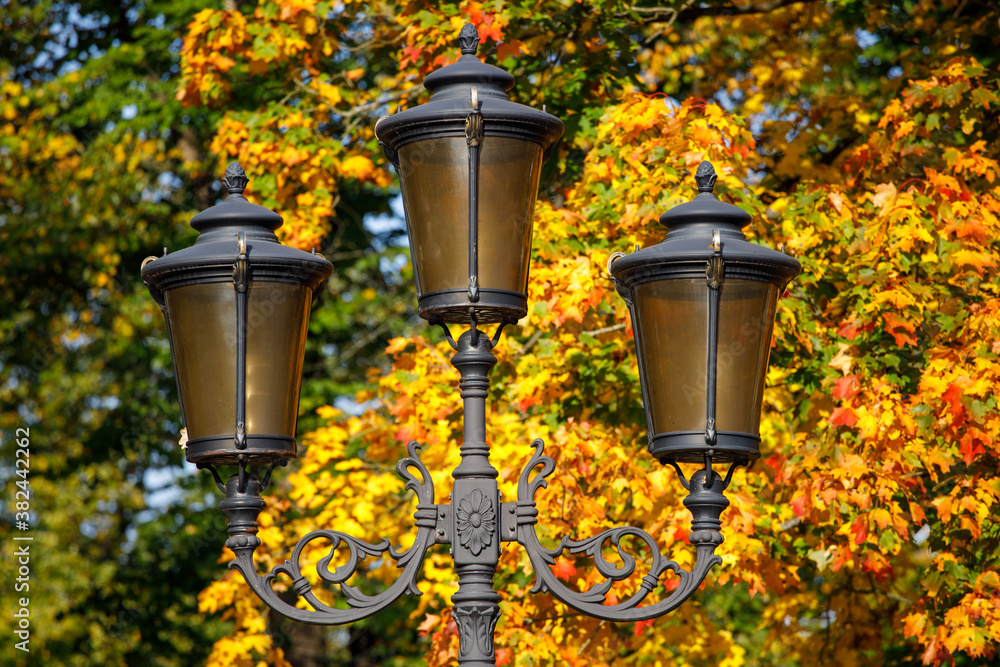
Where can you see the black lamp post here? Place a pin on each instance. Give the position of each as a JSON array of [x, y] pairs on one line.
[[702, 304]]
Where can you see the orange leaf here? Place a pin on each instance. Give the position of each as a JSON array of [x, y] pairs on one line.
[[977, 260], [897, 327], [429, 623], [913, 625], [971, 446], [510, 48]]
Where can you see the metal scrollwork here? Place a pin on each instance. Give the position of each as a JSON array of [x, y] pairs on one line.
[[591, 601], [361, 605]]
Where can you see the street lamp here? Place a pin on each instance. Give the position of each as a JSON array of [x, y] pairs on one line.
[[702, 304]]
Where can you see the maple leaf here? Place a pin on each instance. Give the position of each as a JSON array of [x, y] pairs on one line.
[[900, 329], [953, 397], [842, 361], [914, 624], [640, 627], [843, 416], [564, 569], [859, 529], [510, 48], [970, 446], [977, 260], [884, 194], [846, 387], [430, 622]]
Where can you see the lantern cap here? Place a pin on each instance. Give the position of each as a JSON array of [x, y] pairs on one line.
[[469, 68], [693, 228], [454, 90], [221, 229], [705, 208], [236, 210]]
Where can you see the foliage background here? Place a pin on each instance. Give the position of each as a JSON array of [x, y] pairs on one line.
[[863, 138]]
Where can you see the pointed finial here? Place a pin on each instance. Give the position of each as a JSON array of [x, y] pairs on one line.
[[236, 179], [468, 39], [705, 177]]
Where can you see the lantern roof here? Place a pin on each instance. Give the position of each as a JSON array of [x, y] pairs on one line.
[[694, 230], [455, 89], [221, 229]]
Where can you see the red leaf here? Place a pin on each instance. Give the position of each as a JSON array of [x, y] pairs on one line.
[[971, 446], [953, 397], [564, 569], [843, 417], [504, 656], [640, 626], [799, 506], [860, 529], [846, 387], [850, 330], [777, 463]]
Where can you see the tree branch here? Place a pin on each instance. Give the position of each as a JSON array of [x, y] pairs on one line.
[[688, 13]]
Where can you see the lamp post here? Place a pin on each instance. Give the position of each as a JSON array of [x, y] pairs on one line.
[[702, 304]]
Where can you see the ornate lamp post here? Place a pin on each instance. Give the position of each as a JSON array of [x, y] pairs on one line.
[[702, 304]]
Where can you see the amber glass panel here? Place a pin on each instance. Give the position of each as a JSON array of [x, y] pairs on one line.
[[672, 340], [434, 175], [202, 321]]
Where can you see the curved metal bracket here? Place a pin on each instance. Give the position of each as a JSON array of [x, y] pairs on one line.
[[361, 605], [591, 602]]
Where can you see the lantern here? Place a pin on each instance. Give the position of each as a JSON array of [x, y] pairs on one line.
[[469, 163], [237, 305], [703, 304]]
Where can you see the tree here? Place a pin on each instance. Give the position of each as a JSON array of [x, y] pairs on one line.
[[861, 138], [103, 166]]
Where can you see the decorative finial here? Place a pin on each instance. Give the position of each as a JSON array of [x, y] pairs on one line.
[[468, 39], [236, 179], [705, 177]]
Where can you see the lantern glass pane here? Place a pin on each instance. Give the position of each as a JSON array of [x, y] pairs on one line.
[[434, 175], [202, 323], [672, 341]]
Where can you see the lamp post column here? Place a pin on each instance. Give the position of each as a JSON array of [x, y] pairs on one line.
[[476, 504]]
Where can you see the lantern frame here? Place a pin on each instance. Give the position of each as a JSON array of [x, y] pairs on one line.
[[236, 246], [469, 100], [704, 242]]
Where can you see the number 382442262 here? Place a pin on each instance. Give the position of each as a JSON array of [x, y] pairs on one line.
[[22, 465]]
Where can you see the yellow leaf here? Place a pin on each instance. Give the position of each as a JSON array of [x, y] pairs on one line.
[[881, 517]]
